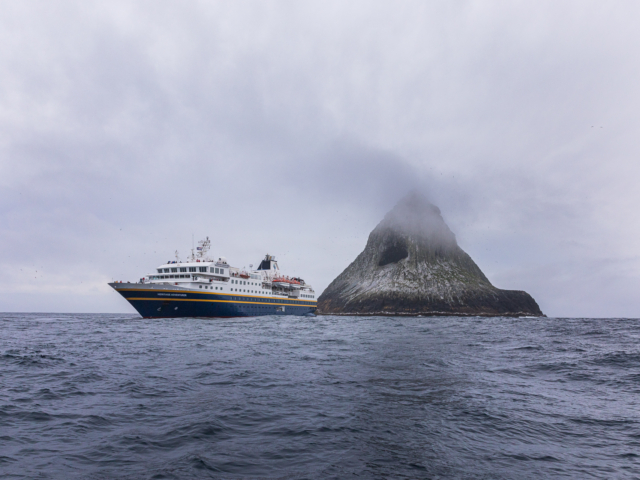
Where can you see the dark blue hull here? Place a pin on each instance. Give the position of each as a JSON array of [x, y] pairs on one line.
[[164, 303]]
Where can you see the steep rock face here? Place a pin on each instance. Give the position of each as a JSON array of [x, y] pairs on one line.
[[413, 265]]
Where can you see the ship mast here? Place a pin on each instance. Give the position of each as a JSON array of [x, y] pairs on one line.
[[203, 248]]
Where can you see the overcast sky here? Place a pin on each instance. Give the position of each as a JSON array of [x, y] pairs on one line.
[[291, 127]]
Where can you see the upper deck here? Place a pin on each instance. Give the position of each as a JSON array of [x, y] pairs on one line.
[[206, 274]]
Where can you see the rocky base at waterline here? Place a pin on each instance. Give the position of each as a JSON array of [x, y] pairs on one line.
[[412, 265]]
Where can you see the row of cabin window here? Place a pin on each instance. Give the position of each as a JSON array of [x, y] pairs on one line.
[[191, 269], [308, 296], [160, 277], [242, 282], [233, 289], [216, 288]]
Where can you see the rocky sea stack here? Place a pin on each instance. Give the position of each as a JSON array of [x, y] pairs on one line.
[[412, 265]]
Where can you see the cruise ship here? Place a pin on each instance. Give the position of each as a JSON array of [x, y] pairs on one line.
[[203, 287]]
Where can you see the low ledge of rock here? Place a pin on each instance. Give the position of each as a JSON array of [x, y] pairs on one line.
[[412, 265]]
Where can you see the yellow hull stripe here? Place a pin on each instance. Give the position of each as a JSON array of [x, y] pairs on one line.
[[218, 301]]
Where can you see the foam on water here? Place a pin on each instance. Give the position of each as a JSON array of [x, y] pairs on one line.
[[115, 396]]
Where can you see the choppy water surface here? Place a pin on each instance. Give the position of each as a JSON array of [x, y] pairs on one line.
[[116, 396]]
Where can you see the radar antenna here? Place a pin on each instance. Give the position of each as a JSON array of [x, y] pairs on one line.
[[203, 248]]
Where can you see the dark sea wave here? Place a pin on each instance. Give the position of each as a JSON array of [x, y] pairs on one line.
[[116, 396]]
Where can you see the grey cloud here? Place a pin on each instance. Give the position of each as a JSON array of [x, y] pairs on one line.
[[293, 127]]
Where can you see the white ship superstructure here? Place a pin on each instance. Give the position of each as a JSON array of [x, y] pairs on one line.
[[202, 286]]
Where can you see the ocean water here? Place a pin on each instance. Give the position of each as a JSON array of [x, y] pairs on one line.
[[117, 396]]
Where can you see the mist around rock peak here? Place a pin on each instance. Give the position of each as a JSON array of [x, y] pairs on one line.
[[414, 216]]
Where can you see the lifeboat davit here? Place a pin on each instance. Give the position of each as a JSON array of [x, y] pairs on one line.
[[282, 282]]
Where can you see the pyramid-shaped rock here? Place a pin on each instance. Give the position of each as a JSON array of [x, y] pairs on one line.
[[412, 265]]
